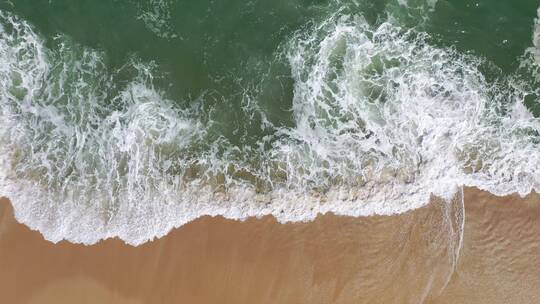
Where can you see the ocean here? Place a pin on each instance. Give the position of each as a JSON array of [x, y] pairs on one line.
[[124, 118]]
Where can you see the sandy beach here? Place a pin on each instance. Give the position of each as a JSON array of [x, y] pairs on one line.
[[408, 258]]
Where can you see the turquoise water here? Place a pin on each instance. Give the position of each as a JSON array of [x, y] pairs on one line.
[[127, 118]]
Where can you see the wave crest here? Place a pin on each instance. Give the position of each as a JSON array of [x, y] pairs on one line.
[[382, 119]]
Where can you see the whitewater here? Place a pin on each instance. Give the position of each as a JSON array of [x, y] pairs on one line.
[[383, 119]]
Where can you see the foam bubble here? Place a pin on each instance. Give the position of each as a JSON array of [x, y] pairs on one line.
[[536, 34], [382, 119], [536, 38], [156, 15]]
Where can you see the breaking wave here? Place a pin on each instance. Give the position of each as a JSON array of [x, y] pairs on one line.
[[383, 119]]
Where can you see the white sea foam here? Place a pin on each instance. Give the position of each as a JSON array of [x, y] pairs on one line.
[[382, 120], [536, 38], [156, 15]]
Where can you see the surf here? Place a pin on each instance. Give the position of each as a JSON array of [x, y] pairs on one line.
[[382, 119]]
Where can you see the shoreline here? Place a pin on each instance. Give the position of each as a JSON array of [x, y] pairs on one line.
[[471, 190], [339, 259]]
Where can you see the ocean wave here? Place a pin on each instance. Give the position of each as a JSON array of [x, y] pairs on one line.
[[382, 120]]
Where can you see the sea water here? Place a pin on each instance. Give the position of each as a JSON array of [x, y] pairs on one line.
[[129, 118]]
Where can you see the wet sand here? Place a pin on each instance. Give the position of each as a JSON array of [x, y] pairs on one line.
[[421, 256]]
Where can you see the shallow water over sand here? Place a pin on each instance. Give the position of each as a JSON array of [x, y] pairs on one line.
[[406, 258]]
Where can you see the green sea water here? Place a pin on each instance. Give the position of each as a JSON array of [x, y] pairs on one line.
[[219, 48], [148, 114]]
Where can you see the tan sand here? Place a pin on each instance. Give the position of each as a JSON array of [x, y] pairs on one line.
[[407, 258]]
